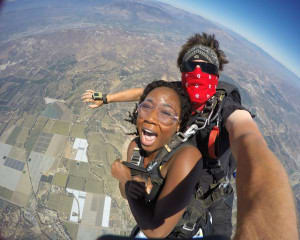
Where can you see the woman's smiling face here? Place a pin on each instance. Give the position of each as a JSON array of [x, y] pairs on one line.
[[158, 118]]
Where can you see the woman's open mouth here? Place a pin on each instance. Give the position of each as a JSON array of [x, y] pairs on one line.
[[148, 137]]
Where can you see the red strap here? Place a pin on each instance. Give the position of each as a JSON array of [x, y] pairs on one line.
[[211, 141]]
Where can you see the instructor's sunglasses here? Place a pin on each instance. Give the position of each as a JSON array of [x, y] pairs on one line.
[[189, 66]]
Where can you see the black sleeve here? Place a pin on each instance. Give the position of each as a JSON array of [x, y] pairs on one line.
[[152, 215], [231, 103], [115, 237], [142, 211]]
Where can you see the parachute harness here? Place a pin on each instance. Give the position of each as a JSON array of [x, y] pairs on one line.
[[201, 122]]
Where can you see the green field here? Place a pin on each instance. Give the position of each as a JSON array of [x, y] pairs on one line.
[[78, 169], [94, 186], [31, 139], [72, 229], [75, 182], [61, 203], [5, 193], [61, 127], [77, 131], [52, 110], [40, 122], [60, 179], [12, 139], [49, 125]]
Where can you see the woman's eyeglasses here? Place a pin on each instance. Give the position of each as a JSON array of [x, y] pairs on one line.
[[165, 115]]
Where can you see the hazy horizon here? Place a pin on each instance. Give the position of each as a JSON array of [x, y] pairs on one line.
[[269, 25]]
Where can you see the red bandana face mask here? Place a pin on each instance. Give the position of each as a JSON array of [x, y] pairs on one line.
[[200, 86]]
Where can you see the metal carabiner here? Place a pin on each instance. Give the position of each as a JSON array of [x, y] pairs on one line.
[[189, 132]]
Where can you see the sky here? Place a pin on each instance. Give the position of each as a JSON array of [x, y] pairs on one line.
[[273, 25]]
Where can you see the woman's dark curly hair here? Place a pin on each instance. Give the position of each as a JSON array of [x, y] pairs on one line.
[[185, 103], [204, 39]]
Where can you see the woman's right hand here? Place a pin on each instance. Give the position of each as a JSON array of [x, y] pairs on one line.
[[87, 97], [120, 171]]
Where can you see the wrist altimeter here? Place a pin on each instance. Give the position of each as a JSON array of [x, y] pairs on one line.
[[100, 96]]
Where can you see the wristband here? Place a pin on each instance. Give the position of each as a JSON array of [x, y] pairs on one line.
[[104, 98], [100, 96]]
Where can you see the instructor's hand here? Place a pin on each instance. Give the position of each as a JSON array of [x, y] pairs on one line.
[[87, 98]]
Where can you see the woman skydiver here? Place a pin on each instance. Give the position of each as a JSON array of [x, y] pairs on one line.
[[162, 111]]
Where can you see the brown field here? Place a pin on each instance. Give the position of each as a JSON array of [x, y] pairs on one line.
[[69, 151], [57, 145], [20, 141], [29, 120], [20, 199], [24, 185], [18, 154]]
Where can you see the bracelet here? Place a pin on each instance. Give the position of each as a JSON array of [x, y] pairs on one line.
[[104, 98]]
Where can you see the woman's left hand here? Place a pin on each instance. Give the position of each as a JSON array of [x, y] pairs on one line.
[[120, 171]]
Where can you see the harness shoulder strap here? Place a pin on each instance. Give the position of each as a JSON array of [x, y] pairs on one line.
[[154, 168], [230, 89], [136, 163]]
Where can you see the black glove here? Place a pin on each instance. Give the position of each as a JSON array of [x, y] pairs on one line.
[[135, 190]]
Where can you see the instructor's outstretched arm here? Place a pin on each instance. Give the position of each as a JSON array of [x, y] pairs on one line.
[[266, 208], [128, 95]]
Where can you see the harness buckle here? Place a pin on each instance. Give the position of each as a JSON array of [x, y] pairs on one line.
[[189, 132], [200, 120], [182, 137], [224, 184], [189, 228]]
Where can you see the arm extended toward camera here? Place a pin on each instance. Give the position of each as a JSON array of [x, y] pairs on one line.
[[128, 95], [265, 203]]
